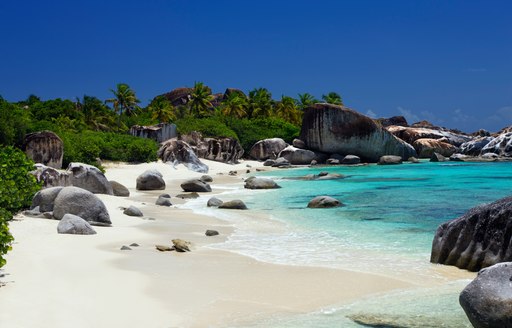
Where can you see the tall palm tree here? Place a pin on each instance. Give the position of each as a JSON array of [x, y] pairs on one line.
[[305, 100], [260, 103], [235, 105], [162, 110], [200, 99], [124, 100], [333, 98], [96, 115], [287, 109]]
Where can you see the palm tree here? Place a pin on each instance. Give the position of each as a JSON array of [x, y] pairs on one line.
[[333, 98], [200, 99], [96, 115], [260, 103], [124, 100], [287, 109], [235, 105], [305, 100], [162, 110]]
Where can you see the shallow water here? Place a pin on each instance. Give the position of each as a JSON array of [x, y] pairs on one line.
[[386, 225]]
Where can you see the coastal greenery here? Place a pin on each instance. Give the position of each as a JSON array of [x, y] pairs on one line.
[[18, 188]]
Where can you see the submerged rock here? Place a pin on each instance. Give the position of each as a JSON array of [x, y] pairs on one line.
[[390, 160], [260, 183], [324, 202], [235, 204], [214, 202], [195, 185]]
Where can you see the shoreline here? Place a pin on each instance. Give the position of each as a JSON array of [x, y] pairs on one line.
[[206, 287]]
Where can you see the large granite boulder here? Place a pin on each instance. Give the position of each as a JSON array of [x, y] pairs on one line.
[[179, 96], [426, 147], [180, 152], [90, 178], [501, 145], [427, 131], [324, 202], [119, 190], [225, 150], [75, 225], [487, 300], [195, 185], [331, 129], [83, 203], [297, 156], [475, 146], [159, 132], [51, 177], [477, 239], [44, 147], [150, 180], [45, 198], [267, 149], [260, 183], [395, 120]]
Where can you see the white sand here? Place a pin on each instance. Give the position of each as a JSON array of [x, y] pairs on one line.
[[57, 280]]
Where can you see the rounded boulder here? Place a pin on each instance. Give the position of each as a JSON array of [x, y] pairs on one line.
[[83, 203], [150, 180]]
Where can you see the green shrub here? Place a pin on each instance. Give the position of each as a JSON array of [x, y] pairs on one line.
[[209, 127], [17, 190], [14, 123]]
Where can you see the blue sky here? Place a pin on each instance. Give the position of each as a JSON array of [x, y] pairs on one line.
[[449, 62]]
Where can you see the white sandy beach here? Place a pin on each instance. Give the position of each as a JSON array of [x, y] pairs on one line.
[[56, 280]]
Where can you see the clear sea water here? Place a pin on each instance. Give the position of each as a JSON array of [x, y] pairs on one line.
[[386, 226]]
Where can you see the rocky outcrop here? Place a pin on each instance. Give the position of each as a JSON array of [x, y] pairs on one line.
[[159, 132], [90, 178], [230, 91], [324, 202], [83, 203], [475, 146], [426, 147], [501, 145], [260, 183], [225, 150], [390, 160], [395, 120], [44, 147], [436, 157], [195, 185], [150, 180], [235, 204], [50, 177], [75, 225], [179, 152], [477, 239], [119, 189], [335, 129], [487, 300], [411, 134], [297, 156], [178, 96], [267, 149]]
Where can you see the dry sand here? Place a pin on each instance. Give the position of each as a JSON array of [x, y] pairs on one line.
[[56, 280]]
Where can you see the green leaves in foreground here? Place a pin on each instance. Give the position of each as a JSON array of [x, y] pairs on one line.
[[17, 187]]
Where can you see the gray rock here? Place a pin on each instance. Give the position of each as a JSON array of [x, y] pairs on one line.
[[487, 300], [297, 143], [150, 180], [477, 239], [332, 129], [192, 195], [281, 162], [490, 156], [297, 156], [180, 152], [436, 157], [269, 162], [390, 160], [475, 146], [44, 147], [206, 178], [134, 245], [181, 245], [51, 177], [332, 161], [45, 198], [350, 160], [83, 203], [324, 202], [72, 224], [501, 145], [90, 178], [133, 211], [195, 185], [214, 202], [267, 149], [413, 160], [163, 200], [260, 183], [235, 204], [210, 233], [125, 248], [458, 157], [119, 190]]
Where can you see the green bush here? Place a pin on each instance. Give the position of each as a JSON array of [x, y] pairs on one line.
[[14, 123], [209, 127], [17, 190]]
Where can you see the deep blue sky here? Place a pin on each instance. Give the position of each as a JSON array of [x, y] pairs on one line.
[[449, 62]]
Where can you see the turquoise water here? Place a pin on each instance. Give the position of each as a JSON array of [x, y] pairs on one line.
[[386, 226]]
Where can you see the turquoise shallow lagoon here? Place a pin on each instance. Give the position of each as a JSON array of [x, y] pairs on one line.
[[386, 227]]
